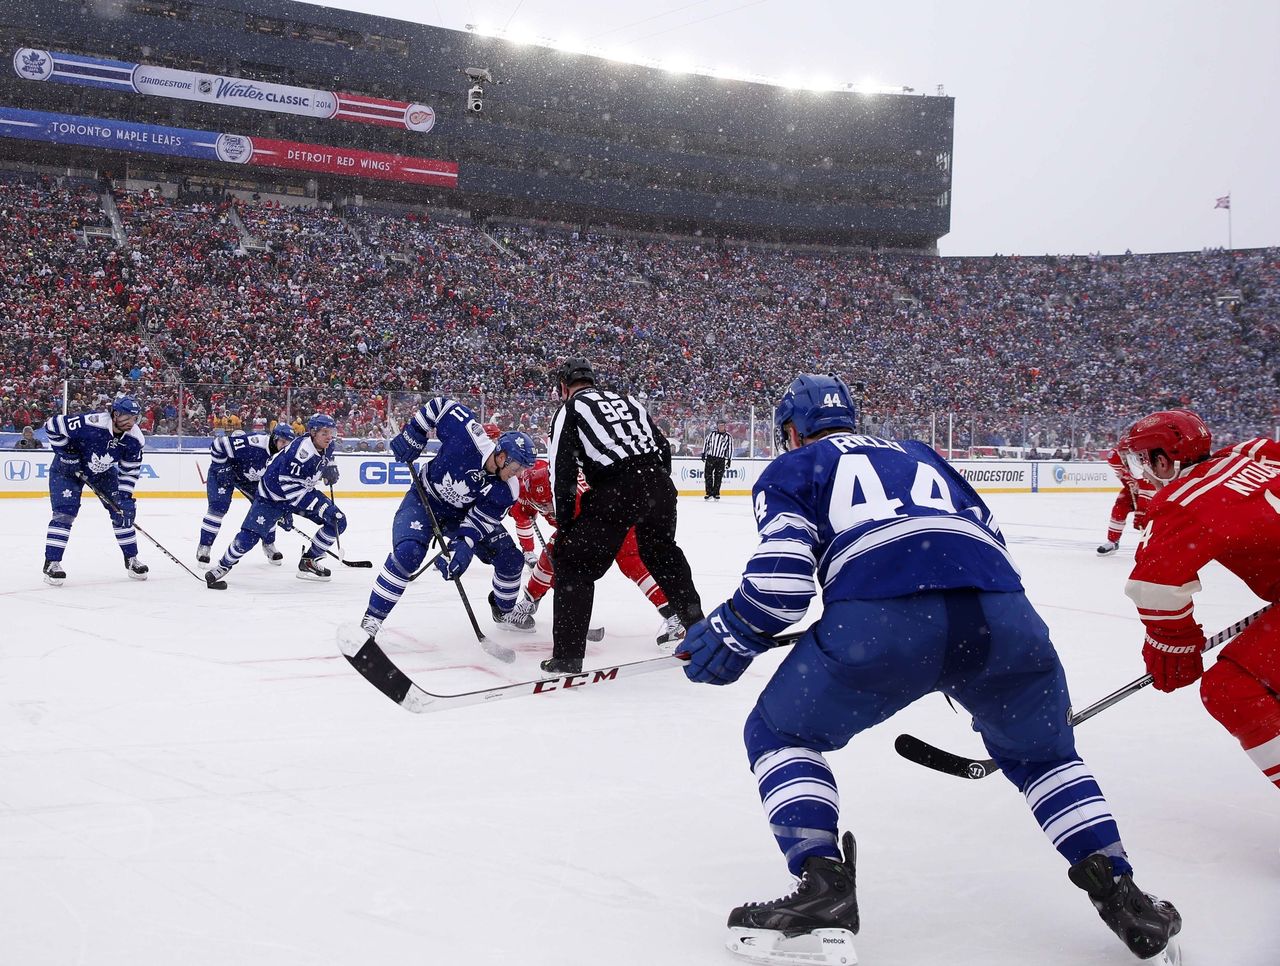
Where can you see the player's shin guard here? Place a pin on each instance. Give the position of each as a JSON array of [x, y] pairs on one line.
[[1067, 802], [541, 579], [245, 541], [209, 527], [1249, 710], [127, 541], [799, 795], [393, 580], [57, 535]]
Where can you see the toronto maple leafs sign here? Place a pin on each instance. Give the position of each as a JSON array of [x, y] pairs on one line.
[[65, 68]]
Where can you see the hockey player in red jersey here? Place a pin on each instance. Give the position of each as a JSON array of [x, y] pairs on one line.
[[1134, 496], [535, 498], [1223, 507]]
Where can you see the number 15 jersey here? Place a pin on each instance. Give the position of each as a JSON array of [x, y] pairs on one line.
[[867, 518]]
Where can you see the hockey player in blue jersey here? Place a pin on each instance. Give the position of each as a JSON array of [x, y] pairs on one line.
[[103, 451], [471, 484], [237, 462], [289, 485], [919, 594]]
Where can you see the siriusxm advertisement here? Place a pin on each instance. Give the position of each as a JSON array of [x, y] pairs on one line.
[[33, 64], [96, 132]]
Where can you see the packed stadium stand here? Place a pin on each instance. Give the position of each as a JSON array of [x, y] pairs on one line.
[[245, 211]]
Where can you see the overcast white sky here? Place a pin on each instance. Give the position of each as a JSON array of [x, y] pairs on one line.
[[1080, 127]]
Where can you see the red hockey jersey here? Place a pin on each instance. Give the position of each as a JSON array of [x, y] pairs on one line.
[[535, 497], [1225, 509]]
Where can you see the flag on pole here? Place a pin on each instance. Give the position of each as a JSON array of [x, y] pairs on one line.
[[1223, 202]]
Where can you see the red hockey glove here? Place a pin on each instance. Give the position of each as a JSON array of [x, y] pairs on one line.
[[1139, 520], [1173, 655]]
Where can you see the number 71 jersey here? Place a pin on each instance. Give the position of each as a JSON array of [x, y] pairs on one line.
[[870, 518]]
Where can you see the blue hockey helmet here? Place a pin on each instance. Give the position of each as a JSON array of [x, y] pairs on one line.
[[126, 406], [811, 404], [321, 421], [284, 433], [519, 447]]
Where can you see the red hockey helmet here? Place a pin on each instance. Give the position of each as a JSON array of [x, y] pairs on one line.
[[492, 430], [1178, 433]]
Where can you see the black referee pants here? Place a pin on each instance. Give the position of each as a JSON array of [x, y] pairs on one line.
[[713, 473], [644, 498]]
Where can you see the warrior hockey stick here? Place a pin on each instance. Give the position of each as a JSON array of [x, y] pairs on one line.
[[303, 533], [492, 648], [593, 633], [923, 753], [364, 654], [111, 505]]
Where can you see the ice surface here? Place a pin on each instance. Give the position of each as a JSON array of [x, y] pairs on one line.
[[191, 777]]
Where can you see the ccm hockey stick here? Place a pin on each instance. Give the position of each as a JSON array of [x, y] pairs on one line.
[[111, 505], [492, 648], [293, 528], [364, 654], [593, 633], [923, 753]]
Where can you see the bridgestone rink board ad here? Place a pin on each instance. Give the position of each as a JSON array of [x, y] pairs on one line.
[[25, 474]]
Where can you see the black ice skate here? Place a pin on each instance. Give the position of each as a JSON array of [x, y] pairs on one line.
[[1144, 923], [272, 554], [54, 575], [213, 577], [672, 630], [1107, 548], [561, 665], [203, 554], [310, 568], [136, 568], [519, 618], [814, 924]]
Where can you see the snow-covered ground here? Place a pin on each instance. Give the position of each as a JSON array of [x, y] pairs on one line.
[[200, 778]]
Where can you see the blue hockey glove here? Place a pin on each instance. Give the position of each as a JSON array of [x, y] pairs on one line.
[[331, 516], [286, 521], [403, 449], [721, 647], [455, 565], [330, 473], [128, 510]]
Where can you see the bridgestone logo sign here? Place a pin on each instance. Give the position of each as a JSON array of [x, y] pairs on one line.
[[993, 476]]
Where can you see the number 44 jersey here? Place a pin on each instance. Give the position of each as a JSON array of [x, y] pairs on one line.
[[869, 518]]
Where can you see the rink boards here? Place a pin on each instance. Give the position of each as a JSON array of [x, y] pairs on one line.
[[24, 474]]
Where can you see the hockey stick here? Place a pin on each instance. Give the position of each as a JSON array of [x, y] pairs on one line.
[[111, 504], [293, 528], [593, 633], [364, 654], [492, 648], [337, 539], [923, 753]]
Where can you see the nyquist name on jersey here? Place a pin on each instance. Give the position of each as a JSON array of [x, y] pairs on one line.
[[858, 509]]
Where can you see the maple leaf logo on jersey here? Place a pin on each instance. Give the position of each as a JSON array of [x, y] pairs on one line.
[[415, 525], [35, 63], [262, 520], [101, 463], [253, 475], [454, 492]]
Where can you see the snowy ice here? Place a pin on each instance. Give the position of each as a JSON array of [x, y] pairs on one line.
[[192, 777]]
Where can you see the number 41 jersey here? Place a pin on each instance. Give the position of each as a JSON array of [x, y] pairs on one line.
[[870, 518]]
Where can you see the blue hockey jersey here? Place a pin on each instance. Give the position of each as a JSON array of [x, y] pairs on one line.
[[462, 493], [88, 444], [294, 473], [869, 518], [244, 455]]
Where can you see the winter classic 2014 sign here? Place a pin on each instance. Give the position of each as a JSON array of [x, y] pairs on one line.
[[34, 64]]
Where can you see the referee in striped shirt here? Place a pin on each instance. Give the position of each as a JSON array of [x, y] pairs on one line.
[[627, 464], [717, 456]]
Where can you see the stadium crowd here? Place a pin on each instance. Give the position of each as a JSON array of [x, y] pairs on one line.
[[222, 314]]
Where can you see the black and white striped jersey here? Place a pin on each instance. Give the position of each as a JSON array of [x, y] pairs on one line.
[[718, 444], [604, 434]]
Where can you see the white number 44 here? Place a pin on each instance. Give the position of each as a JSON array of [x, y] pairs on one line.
[[858, 494]]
